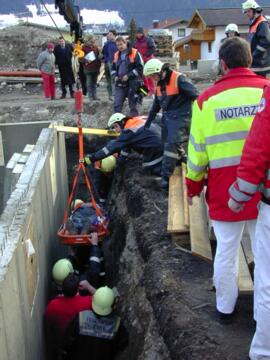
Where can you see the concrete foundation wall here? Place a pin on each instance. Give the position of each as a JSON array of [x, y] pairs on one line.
[[29, 246]]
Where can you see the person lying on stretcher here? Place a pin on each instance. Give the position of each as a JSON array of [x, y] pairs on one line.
[[82, 220]]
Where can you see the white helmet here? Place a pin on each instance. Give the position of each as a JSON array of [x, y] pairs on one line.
[[250, 4], [231, 28]]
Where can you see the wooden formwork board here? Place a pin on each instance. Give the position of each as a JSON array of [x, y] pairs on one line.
[[199, 237], [245, 282], [176, 220], [186, 207]]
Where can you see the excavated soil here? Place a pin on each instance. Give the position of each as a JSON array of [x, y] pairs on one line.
[[165, 293]]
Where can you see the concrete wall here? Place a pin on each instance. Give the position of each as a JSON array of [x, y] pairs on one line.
[[31, 217]]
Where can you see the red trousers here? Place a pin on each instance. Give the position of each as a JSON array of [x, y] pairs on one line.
[[48, 85]]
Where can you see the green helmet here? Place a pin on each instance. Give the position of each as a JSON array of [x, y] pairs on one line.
[[103, 300], [108, 164], [250, 4], [152, 66], [62, 268], [117, 117]]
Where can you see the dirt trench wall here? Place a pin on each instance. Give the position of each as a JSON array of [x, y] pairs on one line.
[[164, 292]]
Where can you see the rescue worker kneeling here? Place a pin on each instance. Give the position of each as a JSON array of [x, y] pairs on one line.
[[133, 136], [98, 331], [174, 95]]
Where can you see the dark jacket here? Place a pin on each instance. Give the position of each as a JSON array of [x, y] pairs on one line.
[[260, 45], [96, 337], [146, 47], [178, 104], [93, 66], [133, 136], [63, 58], [108, 51], [134, 64]]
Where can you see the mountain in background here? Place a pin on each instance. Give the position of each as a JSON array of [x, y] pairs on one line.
[[144, 11]]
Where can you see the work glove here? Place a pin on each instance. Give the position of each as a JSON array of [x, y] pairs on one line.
[[235, 206], [88, 159]]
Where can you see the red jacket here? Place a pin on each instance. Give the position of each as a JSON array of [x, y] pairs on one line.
[[61, 310], [254, 168]]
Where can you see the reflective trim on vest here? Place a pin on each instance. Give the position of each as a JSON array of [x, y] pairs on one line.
[[153, 162], [216, 139], [238, 195], [131, 56], [268, 174], [105, 150], [172, 87], [253, 27], [171, 155], [134, 124], [194, 167], [197, 147], [220, 163], [124, 153], [99, 327], [259, 47], [236, 112], [247, 186], [261, 69], [266, 192], [94, 258]]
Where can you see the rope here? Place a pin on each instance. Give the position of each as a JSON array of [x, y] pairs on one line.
[[51, 18]]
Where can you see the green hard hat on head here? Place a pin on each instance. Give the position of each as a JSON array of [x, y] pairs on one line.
[[108, 164], [117, 117], [250, 4], [61, 269], [152, 66], [103, 301]]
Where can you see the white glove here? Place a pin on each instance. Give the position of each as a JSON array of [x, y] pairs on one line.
[[235, 206]]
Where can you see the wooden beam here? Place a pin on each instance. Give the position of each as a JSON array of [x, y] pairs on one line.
[[186, 207], [245, 282], [86, 131], [200, 243], [176, 204]]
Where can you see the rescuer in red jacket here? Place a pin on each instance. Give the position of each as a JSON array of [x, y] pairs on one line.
[[253, 174]]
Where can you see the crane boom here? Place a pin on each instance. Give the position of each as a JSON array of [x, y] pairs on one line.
[[71, 13]]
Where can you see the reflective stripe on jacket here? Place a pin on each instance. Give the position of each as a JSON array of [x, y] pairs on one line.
[[221, 120], [134, 136], [254, 170]]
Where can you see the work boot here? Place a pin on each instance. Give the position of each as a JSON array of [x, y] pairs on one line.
[[95, 98], [225, 319], [62, 96], [164, 183], [72, 95], [53, 98]]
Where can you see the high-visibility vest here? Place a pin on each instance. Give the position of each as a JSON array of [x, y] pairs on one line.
[[134, 123], [253, 28], [172, 87], [131, 56]]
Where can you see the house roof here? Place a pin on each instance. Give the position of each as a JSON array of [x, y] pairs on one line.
[[224, 16], [167, 23]]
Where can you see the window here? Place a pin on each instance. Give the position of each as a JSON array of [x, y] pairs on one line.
[[181, 32], [209, 47], [187, 48]]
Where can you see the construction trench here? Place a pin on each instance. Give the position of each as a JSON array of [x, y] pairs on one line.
[[166, 300]]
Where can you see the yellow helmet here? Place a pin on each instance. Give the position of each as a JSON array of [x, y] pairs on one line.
[[108, 164], [61, 269], [117, 117], [250, 4], [152, 66], [103, 300]]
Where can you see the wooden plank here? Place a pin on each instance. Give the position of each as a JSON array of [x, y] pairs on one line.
[[245, 283], [200, 243], [175, 204], [186, 207], [101, 73], [86, 131]]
